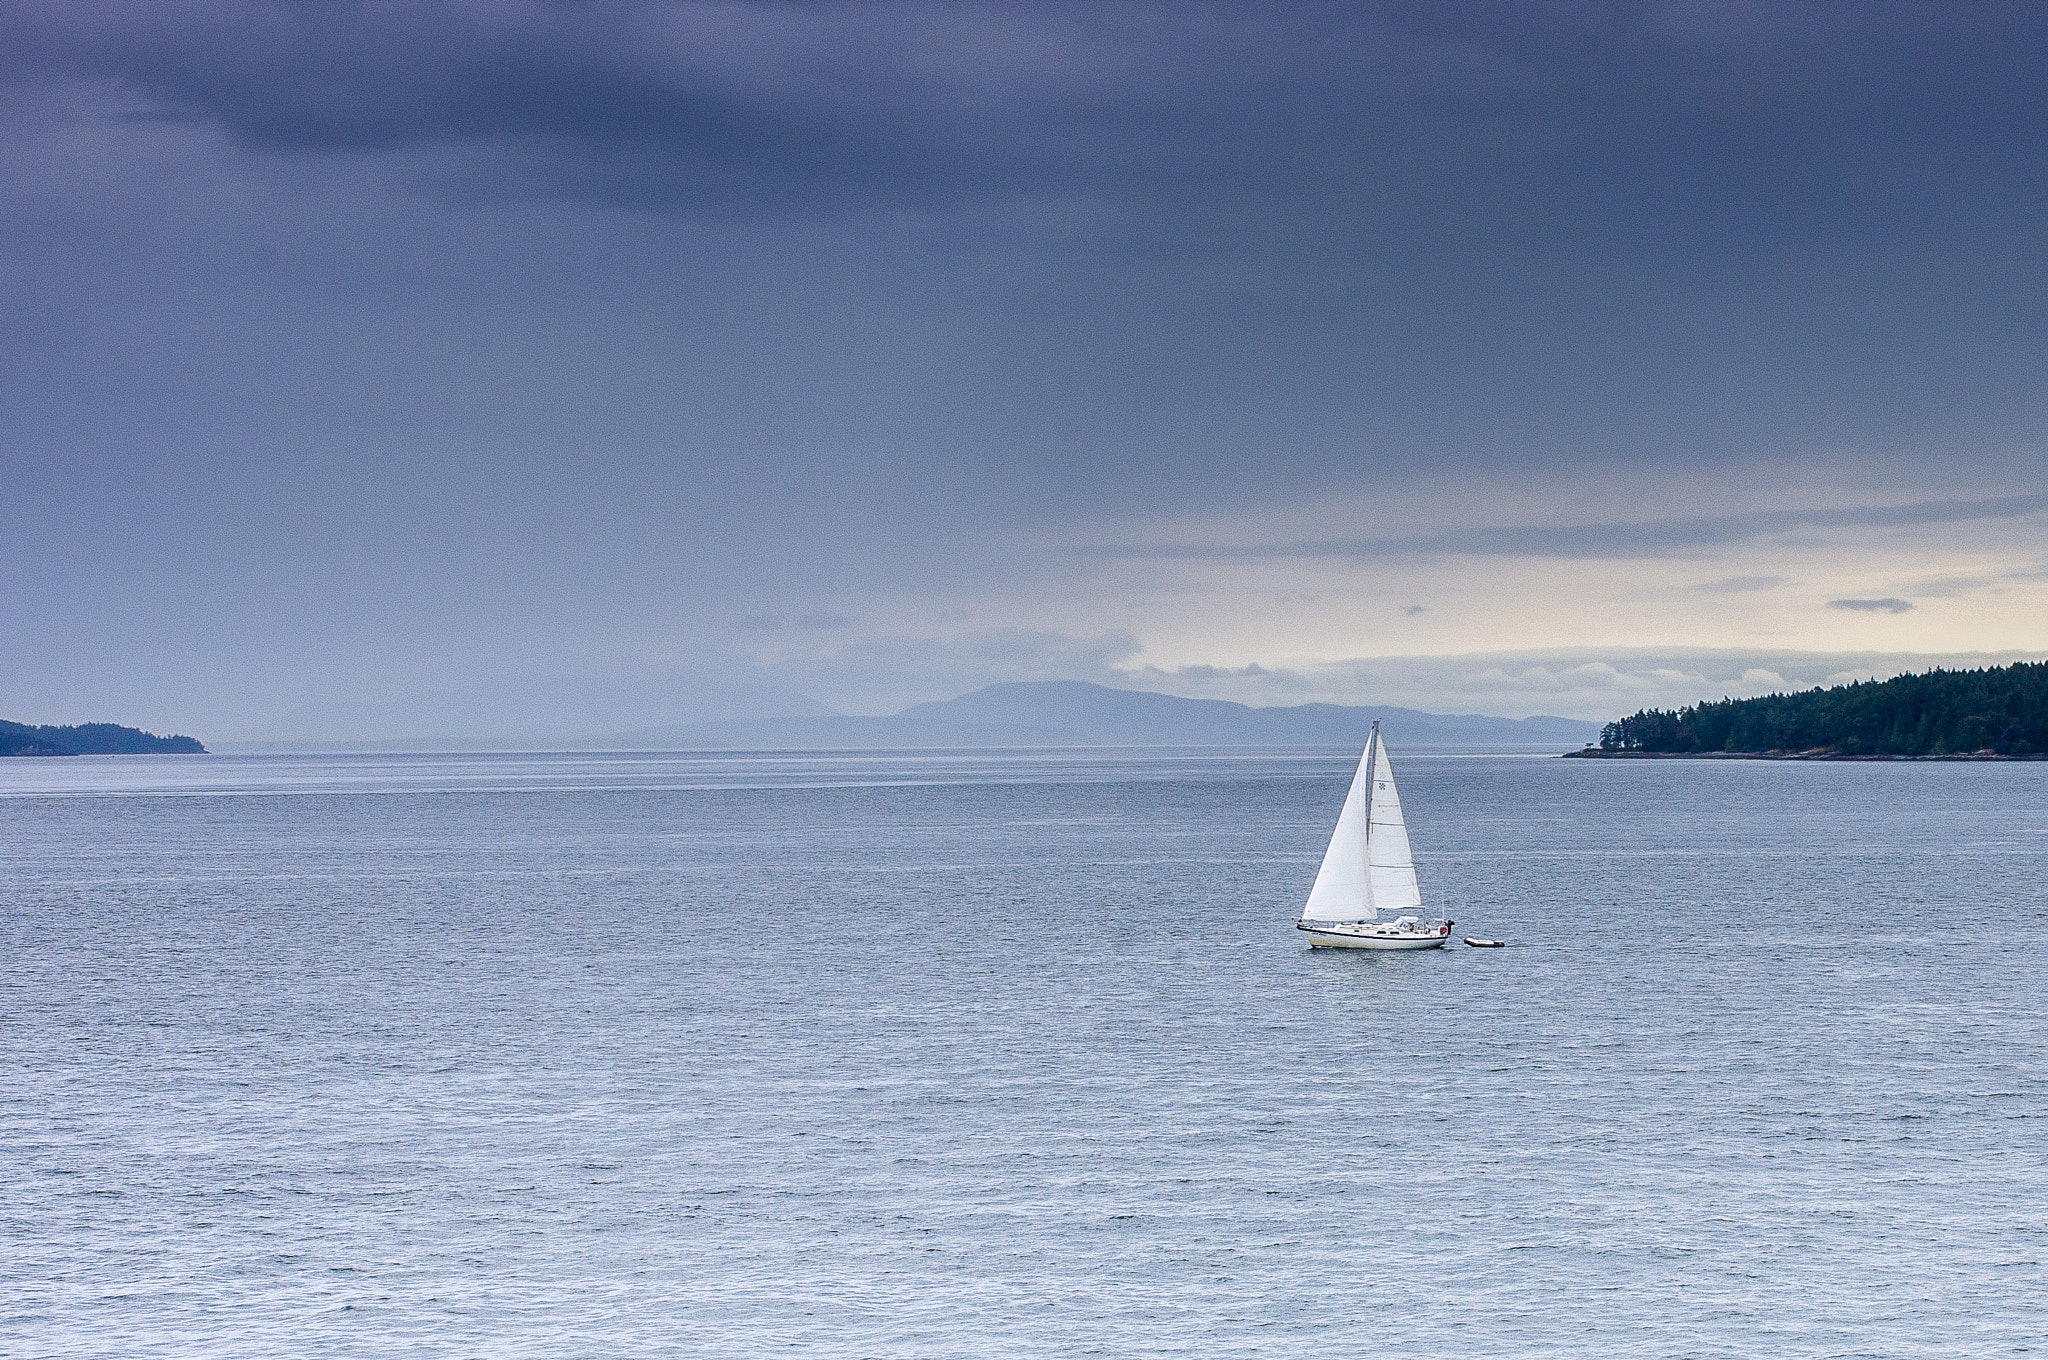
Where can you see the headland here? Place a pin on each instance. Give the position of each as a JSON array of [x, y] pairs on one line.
[[1998, 713], [90, 739]]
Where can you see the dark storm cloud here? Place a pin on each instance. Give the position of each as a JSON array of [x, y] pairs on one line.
[[653, 104], [1658, 124], [1651, 538], [1334, 239]]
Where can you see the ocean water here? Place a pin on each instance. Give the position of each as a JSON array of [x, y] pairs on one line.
[[1015, 1054]]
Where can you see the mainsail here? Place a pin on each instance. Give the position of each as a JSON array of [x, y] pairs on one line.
[[1368, 867]]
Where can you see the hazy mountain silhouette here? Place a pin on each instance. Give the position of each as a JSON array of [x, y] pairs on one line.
[[1075, 713]]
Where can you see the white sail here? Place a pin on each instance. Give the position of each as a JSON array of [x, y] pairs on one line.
[[1390, 868], [1368, 867], [1343, 890]]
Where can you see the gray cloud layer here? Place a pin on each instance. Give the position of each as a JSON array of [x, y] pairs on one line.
[[1068, 255], [1812, 118], [367, 348], [1650, 538]]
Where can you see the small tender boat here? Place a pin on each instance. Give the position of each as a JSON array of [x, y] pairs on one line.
[[1484, 944], [1368, 869]]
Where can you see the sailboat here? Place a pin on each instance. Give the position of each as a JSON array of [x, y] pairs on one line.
[[1368, 870]]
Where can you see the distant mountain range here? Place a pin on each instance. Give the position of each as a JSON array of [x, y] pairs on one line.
[[1074, 713]]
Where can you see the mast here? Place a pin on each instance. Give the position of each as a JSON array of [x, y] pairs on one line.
[[1372, 765]]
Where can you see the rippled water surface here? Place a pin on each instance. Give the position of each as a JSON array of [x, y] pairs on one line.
[[1015, 1055]]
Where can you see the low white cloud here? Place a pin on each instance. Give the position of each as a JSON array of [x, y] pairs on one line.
[[1577, 683], [1594, 676]]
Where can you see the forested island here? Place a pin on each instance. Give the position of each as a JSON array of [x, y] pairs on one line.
[[90, 739], [1996, 713]]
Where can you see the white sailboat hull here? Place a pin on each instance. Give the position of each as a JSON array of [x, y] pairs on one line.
[[1372, 937]]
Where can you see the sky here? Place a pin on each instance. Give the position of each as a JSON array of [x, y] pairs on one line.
[[521, 370]]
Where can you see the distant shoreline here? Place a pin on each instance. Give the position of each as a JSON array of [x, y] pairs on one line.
[[1819, 753], [91, 739], [1997, 713]]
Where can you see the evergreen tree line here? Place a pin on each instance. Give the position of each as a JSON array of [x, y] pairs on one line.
[[2003, 710], [90, 739]]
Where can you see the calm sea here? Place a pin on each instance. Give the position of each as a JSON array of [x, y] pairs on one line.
[[995, 1054]]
